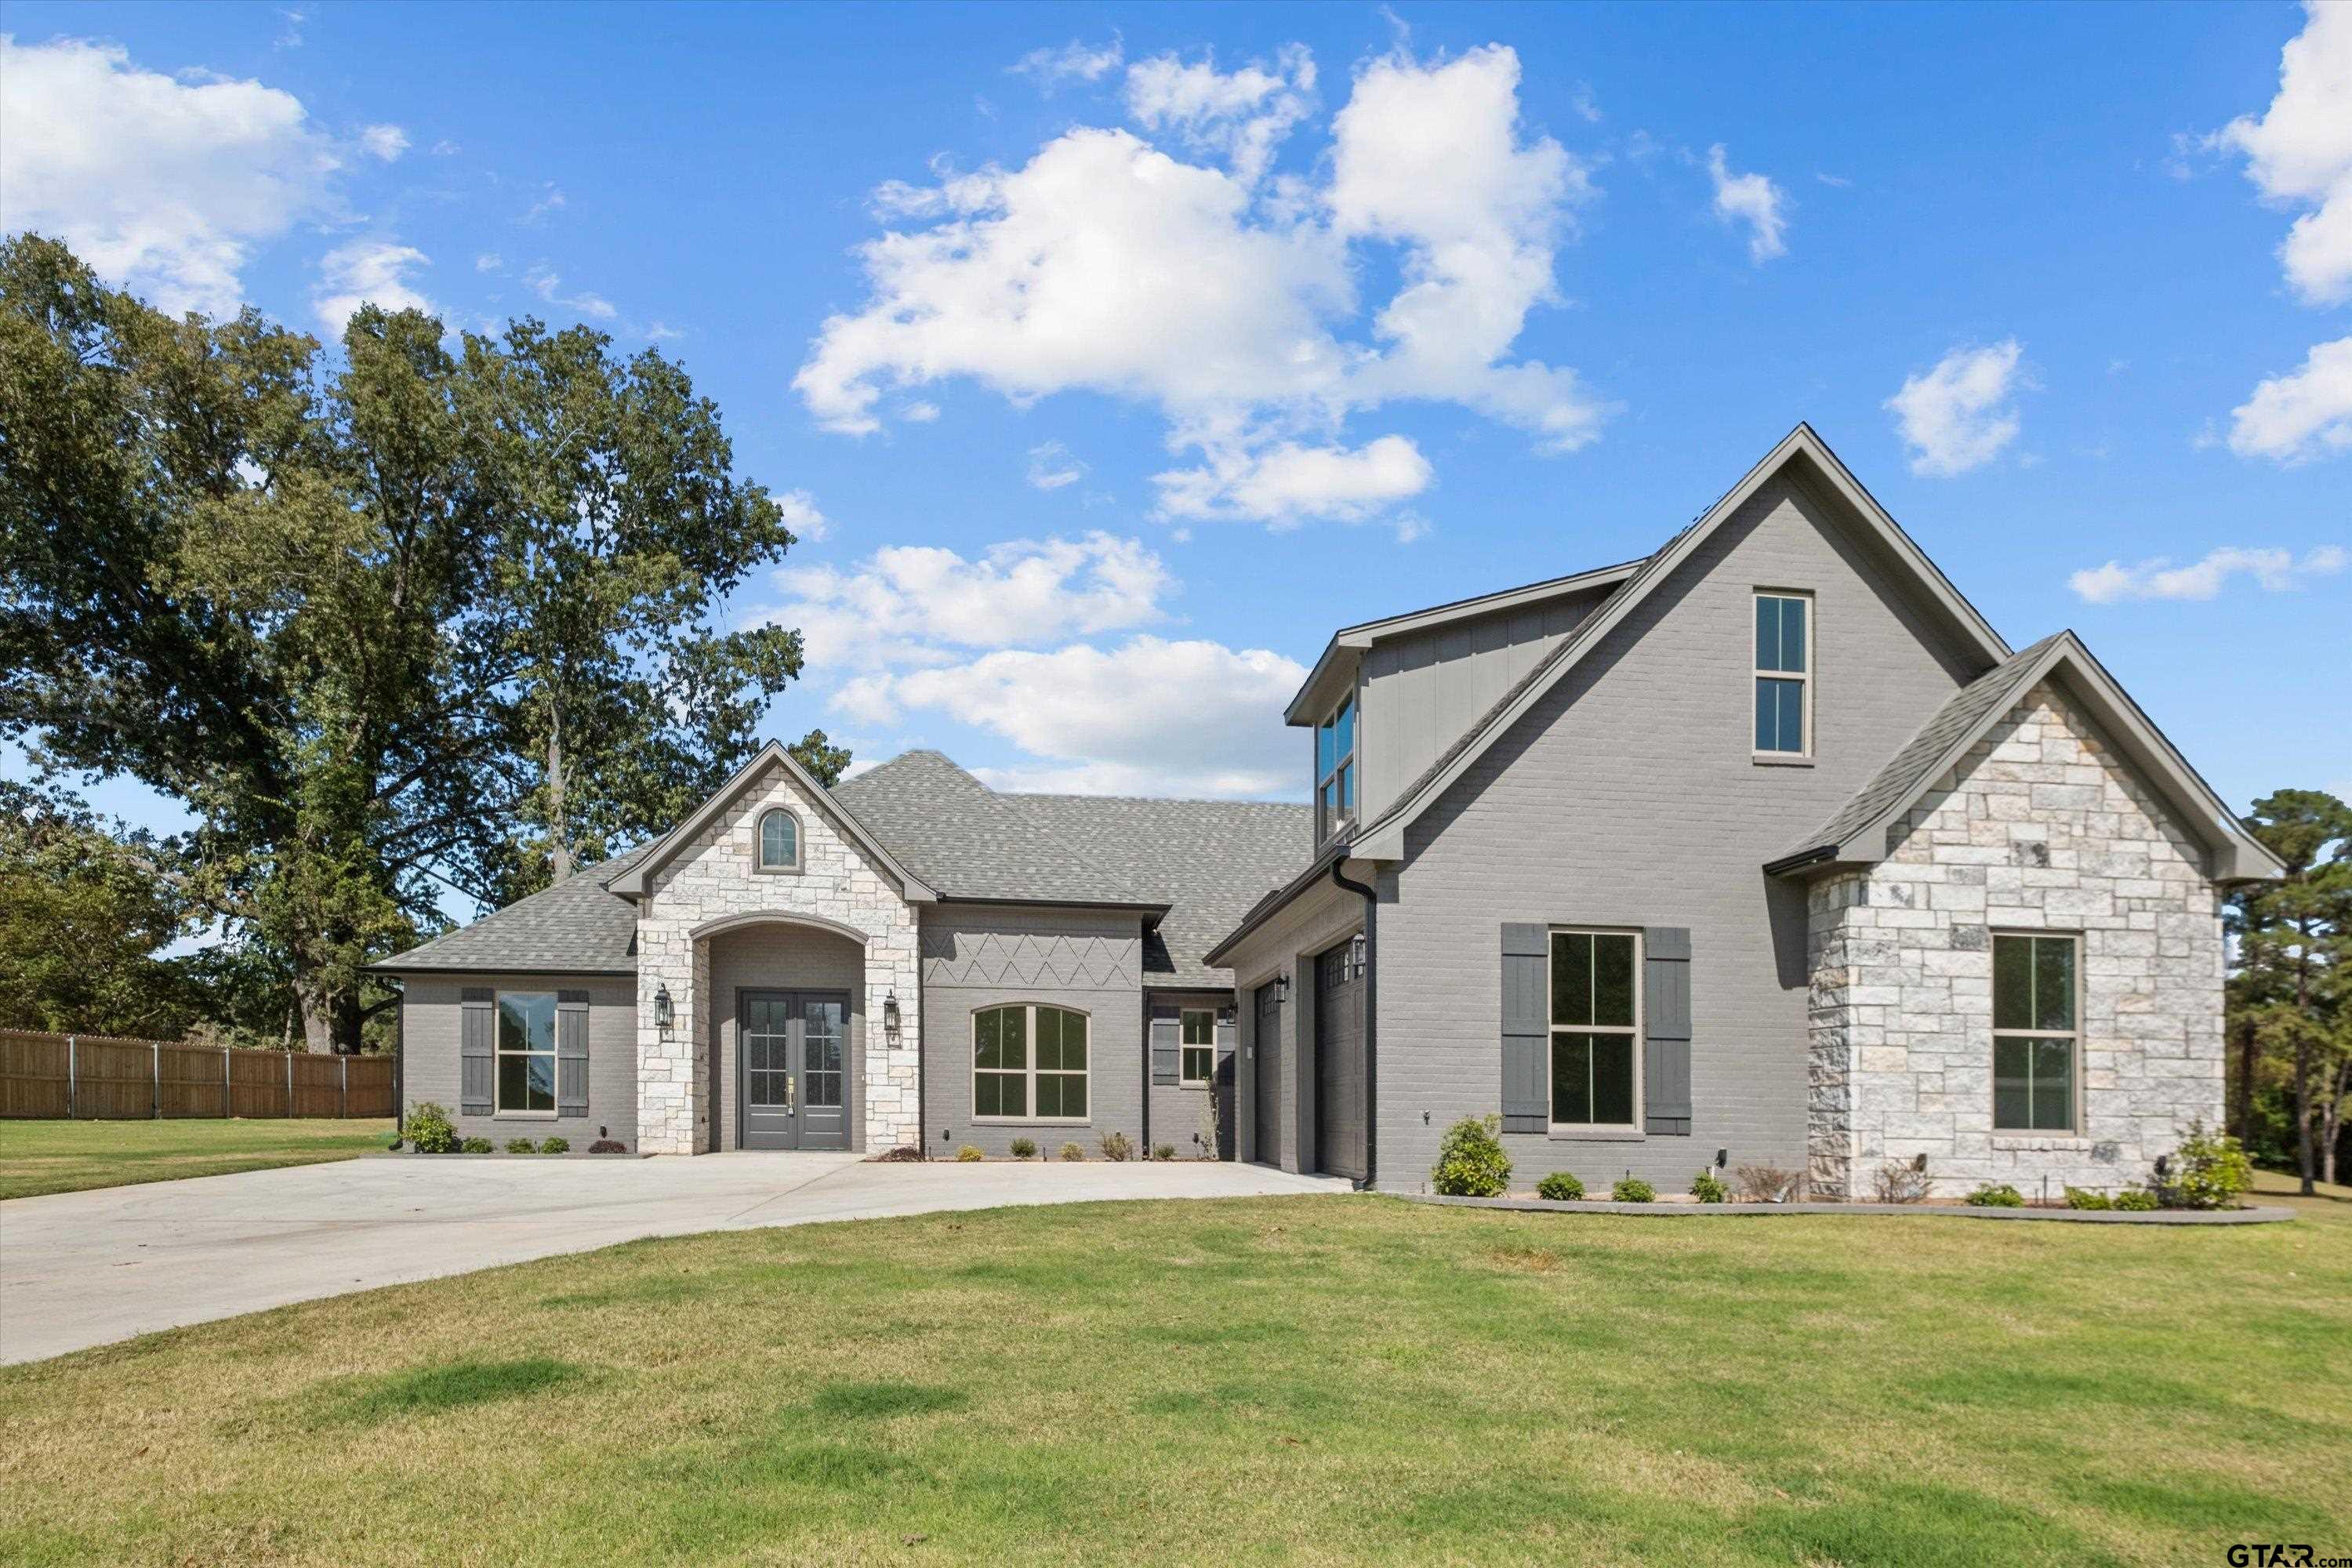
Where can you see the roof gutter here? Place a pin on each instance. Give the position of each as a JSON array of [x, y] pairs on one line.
[[1372, 1019], [1266, 908], [1801, 859]]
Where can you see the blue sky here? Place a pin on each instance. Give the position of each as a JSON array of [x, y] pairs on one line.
[[1205, 330]]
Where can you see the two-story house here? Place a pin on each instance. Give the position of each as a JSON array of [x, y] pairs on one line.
[[1765, 844]]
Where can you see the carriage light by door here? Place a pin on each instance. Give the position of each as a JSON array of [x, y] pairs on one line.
[[663, 1013], [890, 1017]]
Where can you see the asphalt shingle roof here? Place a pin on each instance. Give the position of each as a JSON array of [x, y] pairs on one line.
[[574, 927]]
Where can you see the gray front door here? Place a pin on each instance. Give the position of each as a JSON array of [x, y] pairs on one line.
[[795, 1070], [1339, 1060], [1268, 1052]]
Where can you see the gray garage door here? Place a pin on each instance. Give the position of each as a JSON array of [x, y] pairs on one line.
[[1339, 1060], [1268, 1120]]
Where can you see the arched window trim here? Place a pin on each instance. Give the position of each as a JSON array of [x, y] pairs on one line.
[[1031, 1072], [760, 841]]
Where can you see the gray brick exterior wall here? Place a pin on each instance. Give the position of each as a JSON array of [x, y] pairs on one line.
[[431, 1025]]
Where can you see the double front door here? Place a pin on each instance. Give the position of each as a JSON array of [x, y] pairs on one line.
[[794, 1069]]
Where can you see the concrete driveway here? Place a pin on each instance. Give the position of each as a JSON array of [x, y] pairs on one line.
[[84, 1268]]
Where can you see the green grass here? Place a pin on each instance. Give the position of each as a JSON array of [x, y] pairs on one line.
[[1319, 1379], [72, 1156]]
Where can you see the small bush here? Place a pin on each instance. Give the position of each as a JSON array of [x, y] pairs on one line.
[[608, 1146], [556, 1146], [1632, 1190], [1559, 1187], [521, 1146], [902, 1155], [1164, 1151], [1471, 1162], [2136, 1200], [1995, 1195], [1708, 1188], [1024, 1148], [1072, 1151], [967, 1154], [1902, 1181], [1117, 1147], [2084, 1198], [2209, 1171], [1765, 1183], [477, 1146], [428, 1129]]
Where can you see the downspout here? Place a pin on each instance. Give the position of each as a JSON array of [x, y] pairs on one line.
[[1372, 1019], [1145, 995]]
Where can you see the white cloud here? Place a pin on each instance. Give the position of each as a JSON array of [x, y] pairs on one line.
[[801, 516], [1957, 417], [444, 148], [291, 36], [550, 200], [1105, 264], [1050, 466], [1073, 61], [385, 142], [1750, 199], [2299, 152], [489, 261], [163, 186], [543, 280], [367, 272], [2302, 415], [1286, 484], [1242, 116], [919, 412], [920, 605], [662, 332], [2273, 571]]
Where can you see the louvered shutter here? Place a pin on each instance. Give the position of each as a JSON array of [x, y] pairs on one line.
[[571, 1052], [478, 1031]]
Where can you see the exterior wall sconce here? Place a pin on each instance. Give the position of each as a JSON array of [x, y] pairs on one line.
[[890, 1021], [1226, 1014], [1282, 988], [664, 1014]]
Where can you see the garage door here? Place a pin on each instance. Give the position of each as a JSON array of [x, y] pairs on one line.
[[1339, 1060], [1268, 1120]]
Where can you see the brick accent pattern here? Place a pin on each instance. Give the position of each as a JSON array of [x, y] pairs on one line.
[[2041, 828], [713, 877]]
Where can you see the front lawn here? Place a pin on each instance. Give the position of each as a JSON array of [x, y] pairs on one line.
[[1319, 1379], [68, 1156]]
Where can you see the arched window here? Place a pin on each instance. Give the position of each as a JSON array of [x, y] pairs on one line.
[[1028, 1063], [779, 841]]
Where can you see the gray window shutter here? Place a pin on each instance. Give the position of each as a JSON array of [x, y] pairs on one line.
[[1165, 1036], [480, 1011], [571, 1052], [1666, 1028], [1526, 1077], [1228, 1032]]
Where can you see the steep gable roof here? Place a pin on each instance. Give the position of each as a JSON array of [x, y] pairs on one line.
[[1858, 833], [576, 927], [1383, 838]]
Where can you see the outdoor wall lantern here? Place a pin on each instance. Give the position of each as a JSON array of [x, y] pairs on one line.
[[890, 1017], [1722, 1158], [664, 1015], [1281, 989]]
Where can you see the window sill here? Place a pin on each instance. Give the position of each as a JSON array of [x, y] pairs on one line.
[[1597, 1134], [759, 870], [531, 1116], [2023, 1143], [1196, 1087], [1780, 760], [1033, 1121]]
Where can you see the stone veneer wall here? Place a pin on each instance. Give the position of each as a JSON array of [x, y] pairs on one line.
[[714, 877], [2041, 828]]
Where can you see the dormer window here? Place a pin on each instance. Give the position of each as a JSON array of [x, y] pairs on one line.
[[779, 841], [1335, 769], [1784, 677]]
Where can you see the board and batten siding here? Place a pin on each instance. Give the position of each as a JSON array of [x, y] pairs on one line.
[[1629, 797], [433, 1044]]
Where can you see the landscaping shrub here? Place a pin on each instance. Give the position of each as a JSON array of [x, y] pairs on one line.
[[521, 1146], [1765, 1183], [2136, 1200], [2084, 1198], [428, 1129], [2209, 1171], [1471, 1162], [1024, 1148], [1995, 1195], [1708, 1188], [479, 1146], [1632, 1190], [556, 1146], [614, 1146], [1561, 1188], [1902, 1181], [967, 1154], [1164, 1151], [1116, 1146], [1072, 1151]]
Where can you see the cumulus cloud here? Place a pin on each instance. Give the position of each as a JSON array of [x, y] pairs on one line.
[[1225, 297], [1751, 199], [1073, 62], [544, 281], [801, 516], [2273, 571], [367, 272], [1285, 484], [1050, 466], [385, 142], [2304, 413], [162, 185], [1958, 415], [2299, 152]]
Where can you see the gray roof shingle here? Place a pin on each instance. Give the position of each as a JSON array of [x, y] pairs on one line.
[[574, 927]]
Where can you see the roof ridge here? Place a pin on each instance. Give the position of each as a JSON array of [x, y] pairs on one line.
[[1145, 799]]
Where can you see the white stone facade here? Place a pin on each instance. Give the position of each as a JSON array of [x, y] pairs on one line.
[[715, 877], [2041, 828]]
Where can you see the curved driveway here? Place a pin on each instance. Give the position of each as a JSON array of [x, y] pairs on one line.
[[84, 1268]]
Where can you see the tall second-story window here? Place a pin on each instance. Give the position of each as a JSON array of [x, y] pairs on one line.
[[1784, 675], [1335, 769]]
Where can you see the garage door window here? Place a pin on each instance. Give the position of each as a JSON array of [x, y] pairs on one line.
[[1596, 1024]]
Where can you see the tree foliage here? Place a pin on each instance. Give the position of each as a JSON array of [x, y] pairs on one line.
[[2290, 997]]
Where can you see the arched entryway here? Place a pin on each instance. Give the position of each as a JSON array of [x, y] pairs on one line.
[[787, 1010]]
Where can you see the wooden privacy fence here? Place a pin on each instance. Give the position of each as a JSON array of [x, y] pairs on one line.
[[100, 1078]]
